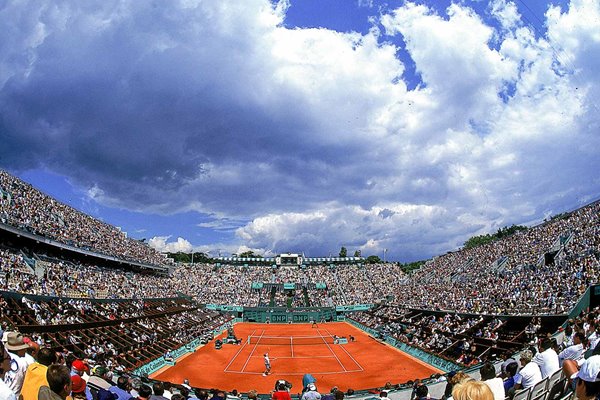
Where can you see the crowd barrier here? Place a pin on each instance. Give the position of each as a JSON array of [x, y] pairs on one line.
[[422, 355]]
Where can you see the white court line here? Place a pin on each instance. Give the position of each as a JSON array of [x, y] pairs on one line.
[[331, 350], [292, 345], [349, 355], [252, 352], [301, 357], [236, 354]]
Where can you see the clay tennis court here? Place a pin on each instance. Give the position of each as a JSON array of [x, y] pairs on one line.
[[295, 350]]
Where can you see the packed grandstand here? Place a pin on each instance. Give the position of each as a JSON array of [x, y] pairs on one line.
[[82, 288]]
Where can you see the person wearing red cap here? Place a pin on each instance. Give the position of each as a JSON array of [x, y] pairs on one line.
[[78, 387], [31, 352], [78, 368]]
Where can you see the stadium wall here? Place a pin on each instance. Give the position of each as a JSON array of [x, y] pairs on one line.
[[429, 358]]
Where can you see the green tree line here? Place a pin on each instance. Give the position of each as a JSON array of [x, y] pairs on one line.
[[487, 238]]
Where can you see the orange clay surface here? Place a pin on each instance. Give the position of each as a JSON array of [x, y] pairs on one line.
[[365, 363]]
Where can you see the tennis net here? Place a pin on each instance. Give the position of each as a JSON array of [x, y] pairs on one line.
[[289, 340]]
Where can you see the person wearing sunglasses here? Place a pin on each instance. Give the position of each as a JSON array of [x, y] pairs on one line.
[[6, 392]]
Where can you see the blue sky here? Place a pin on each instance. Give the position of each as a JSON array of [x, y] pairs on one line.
[[304, 125]]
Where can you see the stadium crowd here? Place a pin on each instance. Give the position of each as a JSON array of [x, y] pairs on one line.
[[25, 207], [540, 270], [512, 275]]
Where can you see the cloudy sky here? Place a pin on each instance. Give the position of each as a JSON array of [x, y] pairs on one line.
[[304, 125]]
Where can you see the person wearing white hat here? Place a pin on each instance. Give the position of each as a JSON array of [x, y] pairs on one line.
[[587, 379], [530, 373], [16, 348], [311, 393]]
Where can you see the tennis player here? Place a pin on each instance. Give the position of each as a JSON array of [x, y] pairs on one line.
[[267, 364]]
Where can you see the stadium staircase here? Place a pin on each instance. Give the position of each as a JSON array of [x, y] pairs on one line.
[[340, 293], [556, 250], [463, 271], [305, 295], [272, 295], [499, 266], [29, 262]]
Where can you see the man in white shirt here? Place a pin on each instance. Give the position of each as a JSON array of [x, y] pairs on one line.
[[575, 351], [16, 349], [587, 379], [547, 359], [530, 374], [488, 376]]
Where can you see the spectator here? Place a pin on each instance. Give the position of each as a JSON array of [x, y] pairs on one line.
[[35, 377], [511, 372], [587, 379], [422, 392], [218, 395], [135, 384], [78, 386], [488, 376], [529, 374], [59, 383], [16, 349], [158, 390], [252, 394], [507, 358], [78, 367], [31, 352], [575, 351], [122, 388], [311, 393], [6, 392], [547, 359], [593, 337], [101, 378], [144, 392], [472, 390], [168, 394], [233, 395], [282, 392]]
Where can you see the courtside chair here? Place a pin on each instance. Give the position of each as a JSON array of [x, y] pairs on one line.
[[541, 395], [555, 377], [522, 394], [538, 388]]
